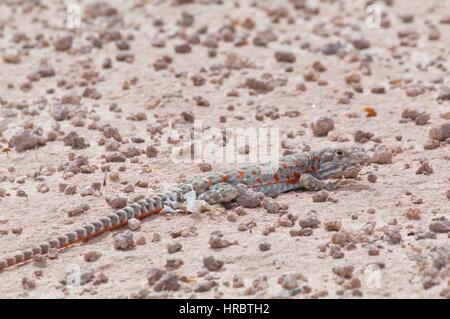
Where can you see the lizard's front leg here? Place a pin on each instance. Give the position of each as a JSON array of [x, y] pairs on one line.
[[312, 183], [219, 193]]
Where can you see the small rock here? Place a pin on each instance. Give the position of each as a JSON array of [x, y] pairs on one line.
[[115, 157], [92, 256], [63, 43], [285, 56], [444, 94], [440, 133], [80, 209], [124, 240], [167, 282], [361, 43], [309, 222], [28, 284], [183, 48], [205, 286], [271, 206], [174, 263], [440, 226], [413, 214], [11, 56], [118, 202], [393, 237], [382, 156], [173, 248], [431, 145], [25, 140], [372, 178], [322, 126], [320, 196], [134, 223], [264, 246], [336, 252], [151, 151], [344, 271], [155, 274], [212, 264], [362, 137], [332, 225], [424, 169], [101, 279]]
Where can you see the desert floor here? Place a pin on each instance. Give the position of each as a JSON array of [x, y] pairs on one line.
[[87, 105]]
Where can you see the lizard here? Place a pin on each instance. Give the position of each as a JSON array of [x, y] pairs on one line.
[[303, 170]]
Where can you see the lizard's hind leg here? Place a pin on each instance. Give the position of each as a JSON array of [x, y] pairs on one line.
[[219, 193]]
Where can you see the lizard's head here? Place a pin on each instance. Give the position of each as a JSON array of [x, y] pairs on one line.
[[334, 162]]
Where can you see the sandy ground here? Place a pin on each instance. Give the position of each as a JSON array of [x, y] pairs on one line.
[[56, 80]]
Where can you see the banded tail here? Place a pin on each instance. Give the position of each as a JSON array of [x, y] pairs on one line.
[[139, 210]]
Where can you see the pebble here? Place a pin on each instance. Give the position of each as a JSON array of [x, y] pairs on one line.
[[78, 210], [285, 56], [92, 256], [212, 264], [361, 43], [322, 126], [424, 169], [124, 240], [151, 151], [134, 224], [183, 48], [63, 43], [320, 196], [11, 56], [362, 137], [101, 278], [336, 252], [28, 284], [440, 133], [167, 282], [413, 214], [205, 286], [154, 274], [372, 178], [382, 156], [440, 225], [332, 225], [373, 251], [265, 246], [117, 202], [431, 144], [24, 140], [444, 94], [115, 157], [174, 263], [344, 271], [393, 237], [173, 248], [309, 222], [271, 206]]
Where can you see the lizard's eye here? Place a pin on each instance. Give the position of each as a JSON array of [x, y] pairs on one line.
[[339, 153]]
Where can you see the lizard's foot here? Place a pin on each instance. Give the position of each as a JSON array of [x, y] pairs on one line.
[[219, 193], [312, 183]]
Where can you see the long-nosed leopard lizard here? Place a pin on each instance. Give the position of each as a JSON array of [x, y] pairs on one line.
[[302, 170]]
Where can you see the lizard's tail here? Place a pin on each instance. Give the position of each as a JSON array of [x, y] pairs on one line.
[[141, 209]]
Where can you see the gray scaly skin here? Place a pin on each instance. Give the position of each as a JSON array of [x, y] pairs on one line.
[[308, 171]]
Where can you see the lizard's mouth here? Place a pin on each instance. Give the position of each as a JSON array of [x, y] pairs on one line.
[[350, 172]]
